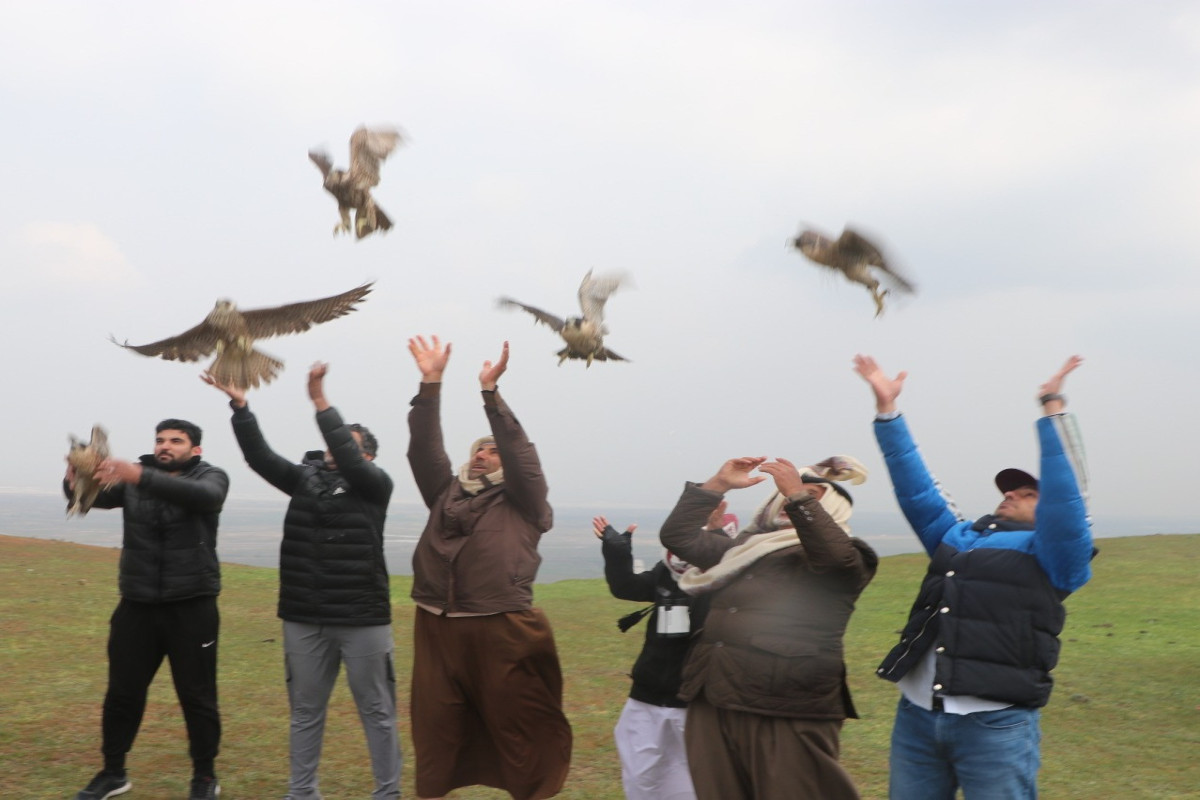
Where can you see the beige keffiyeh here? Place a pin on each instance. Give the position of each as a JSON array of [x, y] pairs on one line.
[[769, 533]]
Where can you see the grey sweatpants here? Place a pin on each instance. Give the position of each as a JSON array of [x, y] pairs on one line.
[[313, 655]]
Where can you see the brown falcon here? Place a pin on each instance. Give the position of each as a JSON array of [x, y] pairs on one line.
[[855, 257], [84, 459], [231, 332], [352, 187], [584, 335]]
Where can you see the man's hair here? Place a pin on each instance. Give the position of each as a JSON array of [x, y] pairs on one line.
[[190, 428], [370, 445]]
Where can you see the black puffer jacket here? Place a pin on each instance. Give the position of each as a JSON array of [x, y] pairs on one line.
[[657, 673], [332, 569], [169, 549]]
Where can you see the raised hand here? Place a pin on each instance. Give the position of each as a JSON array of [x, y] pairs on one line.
[[316, 384], [735, 474], [886, 389], [787, 477], [1054, 402], [492, 372], [237, 395], [431, 358], [600, 523]]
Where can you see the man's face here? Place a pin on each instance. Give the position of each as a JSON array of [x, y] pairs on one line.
[[1018, 505], [173, 449], [331, 464], [485, 460]]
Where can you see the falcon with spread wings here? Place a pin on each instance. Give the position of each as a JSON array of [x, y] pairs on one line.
[[855, 257], [584, 335], [352, 187], [232, 332]]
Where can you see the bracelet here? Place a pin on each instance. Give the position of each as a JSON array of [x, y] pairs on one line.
[[1046, 398]]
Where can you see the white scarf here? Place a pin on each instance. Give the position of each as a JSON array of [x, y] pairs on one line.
[[474, 486]]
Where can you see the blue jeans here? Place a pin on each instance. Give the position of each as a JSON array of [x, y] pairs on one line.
[[991, 755]]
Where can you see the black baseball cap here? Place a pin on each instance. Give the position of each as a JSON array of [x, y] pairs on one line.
[[1012, 478]]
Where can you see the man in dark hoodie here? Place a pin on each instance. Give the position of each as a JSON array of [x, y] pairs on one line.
[[334, 596], [169, 581]]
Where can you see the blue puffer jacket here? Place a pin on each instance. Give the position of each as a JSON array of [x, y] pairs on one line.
[[991, 601], [332, 569]]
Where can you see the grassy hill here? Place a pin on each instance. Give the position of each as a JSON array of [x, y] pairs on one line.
[[1124, 720]]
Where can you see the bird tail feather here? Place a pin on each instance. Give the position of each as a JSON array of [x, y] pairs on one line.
[[245, 370]]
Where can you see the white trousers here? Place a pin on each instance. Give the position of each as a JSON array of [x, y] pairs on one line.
[[653, 757]]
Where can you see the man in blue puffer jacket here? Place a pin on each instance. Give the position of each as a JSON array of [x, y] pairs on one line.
[[973, 663], [334, 595]]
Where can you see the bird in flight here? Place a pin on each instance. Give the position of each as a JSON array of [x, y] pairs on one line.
[[352, 187], [232, 332], [855, 257], [584, 335], [84, 459]]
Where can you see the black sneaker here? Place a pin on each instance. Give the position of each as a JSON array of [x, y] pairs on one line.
[[105, 785], [204, 789]]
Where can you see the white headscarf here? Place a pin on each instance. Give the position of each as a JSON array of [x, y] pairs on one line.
[[476, 485]]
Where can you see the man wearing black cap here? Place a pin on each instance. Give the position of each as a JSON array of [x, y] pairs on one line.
[[973, 663]]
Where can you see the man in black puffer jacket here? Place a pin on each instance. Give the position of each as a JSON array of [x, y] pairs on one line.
[[334, 595], [169, 581]]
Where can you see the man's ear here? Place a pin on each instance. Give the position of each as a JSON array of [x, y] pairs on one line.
[[197, 450]]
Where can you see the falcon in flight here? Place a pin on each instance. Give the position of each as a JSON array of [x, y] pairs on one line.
[[84, 459], [352, 187], [855, 257], [584, 335], [232, 332]]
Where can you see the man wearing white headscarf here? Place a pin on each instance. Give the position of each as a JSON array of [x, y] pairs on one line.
[[486, 685], [766, 682]]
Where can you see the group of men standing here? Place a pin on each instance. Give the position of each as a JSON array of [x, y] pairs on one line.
[[973, 664], [487, 699]]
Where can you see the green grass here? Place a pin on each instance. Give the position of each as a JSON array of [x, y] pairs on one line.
[[1124, 720]]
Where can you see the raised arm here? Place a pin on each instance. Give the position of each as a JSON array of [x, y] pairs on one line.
[[269, 465], [524, 482], [617, 549], [927, 509], [886, 389], [685, 532], [357, 468], [427, 457], [827, 548], [1063, 545]]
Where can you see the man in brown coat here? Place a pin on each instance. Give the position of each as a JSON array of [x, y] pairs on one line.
[[765, 681], [487, 686]]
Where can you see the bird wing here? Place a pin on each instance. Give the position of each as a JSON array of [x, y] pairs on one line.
[[594, 293], [855, 247], [368, 148], [546, 319], [191, 345], [322, 160], [299, 317]]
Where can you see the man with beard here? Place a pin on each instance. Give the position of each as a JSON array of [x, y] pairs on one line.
[[486, 685], [334, 596], [169, 581]]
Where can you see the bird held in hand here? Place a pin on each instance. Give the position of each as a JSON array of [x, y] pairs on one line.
[[352, 187], [84, 460], [856, 258], [584, 335], [232, 332]]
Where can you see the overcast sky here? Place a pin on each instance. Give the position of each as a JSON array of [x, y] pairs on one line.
[[1032, 166]]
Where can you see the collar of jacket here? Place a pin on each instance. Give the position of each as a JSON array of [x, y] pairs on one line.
[[148, 460], [990, 522]]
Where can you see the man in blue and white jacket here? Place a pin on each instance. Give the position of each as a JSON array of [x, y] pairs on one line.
[[974, 660]]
